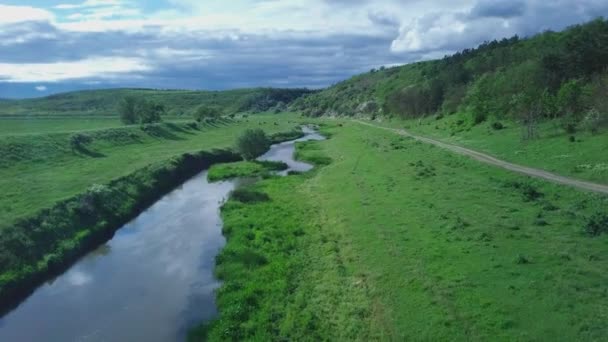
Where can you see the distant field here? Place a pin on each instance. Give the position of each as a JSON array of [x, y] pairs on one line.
[[104, 102], [37, 170]]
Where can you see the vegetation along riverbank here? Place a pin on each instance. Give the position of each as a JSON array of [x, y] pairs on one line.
[[47, 237], [413, 241]]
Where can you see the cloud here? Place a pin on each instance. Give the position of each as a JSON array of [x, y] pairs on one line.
[[17, 14], [88, 4], [99, 67], [490, 19], [220, 44], [40, 88]]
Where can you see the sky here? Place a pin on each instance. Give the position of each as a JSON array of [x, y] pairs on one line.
[[50, 46]]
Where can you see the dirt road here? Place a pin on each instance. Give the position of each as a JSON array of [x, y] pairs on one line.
[[484, 158]]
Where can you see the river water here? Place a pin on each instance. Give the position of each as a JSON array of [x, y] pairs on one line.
[[152, 282]]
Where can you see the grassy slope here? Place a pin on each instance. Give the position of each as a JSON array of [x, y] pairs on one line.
[[55, 172], [490, 81], [404, 241], [16, 126], [552, 150]]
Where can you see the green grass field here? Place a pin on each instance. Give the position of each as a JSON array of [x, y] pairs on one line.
[[399, 240], [585, 158], [19, 126], [37, 170]]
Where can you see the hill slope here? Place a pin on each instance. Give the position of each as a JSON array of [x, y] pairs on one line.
[[551, 75], [177, 102]]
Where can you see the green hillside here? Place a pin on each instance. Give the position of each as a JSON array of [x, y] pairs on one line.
[[553, 75], [177, 102]]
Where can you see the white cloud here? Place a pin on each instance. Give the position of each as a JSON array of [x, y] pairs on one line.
[[41, 88], [98, 67], [89, 3], [16, 14]]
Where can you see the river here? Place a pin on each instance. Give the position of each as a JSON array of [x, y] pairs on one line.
[[152, 281]]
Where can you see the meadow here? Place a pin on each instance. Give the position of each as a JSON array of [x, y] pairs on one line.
[[38, 170], [19, 126], [581, 155], [392, 239]]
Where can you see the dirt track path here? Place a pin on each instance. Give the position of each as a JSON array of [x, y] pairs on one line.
[[484, 158]]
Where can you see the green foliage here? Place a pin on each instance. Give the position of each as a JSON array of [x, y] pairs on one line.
[[510, 78], [78, 140], [204, 112], [243, 169], [134, 110], [597, 224], [285, 136], [249, 196], [127, 110], [252, 143]]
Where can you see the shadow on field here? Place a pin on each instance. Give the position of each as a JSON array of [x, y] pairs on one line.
[[161, 132], [89, 153]]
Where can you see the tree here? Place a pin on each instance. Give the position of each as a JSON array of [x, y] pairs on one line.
[[204, 112], [78, 140], [127, 109], [134, 110], [150, 112], [252, 143]]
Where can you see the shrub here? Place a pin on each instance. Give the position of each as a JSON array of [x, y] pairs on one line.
[[204, 113], [249, 196], [597, 224], [530, 193], [78, 140], [497, 126], [522, 260], [252, 143]]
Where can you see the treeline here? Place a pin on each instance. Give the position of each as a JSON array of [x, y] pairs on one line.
[[552, 75]]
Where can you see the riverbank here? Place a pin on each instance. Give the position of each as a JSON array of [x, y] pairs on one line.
[[42, 245], [399, 240]]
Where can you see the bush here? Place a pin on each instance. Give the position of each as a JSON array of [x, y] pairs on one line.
[[78, 140], [497, 126], [249, 196], [597, 224], [252, 143], [204, 113], [530, 193]]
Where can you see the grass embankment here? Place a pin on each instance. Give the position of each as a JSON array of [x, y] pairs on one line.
[[33, 249], [552, 149], [17, 126], [36, 171], [398, 240], [76, 210], [243, 169]]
